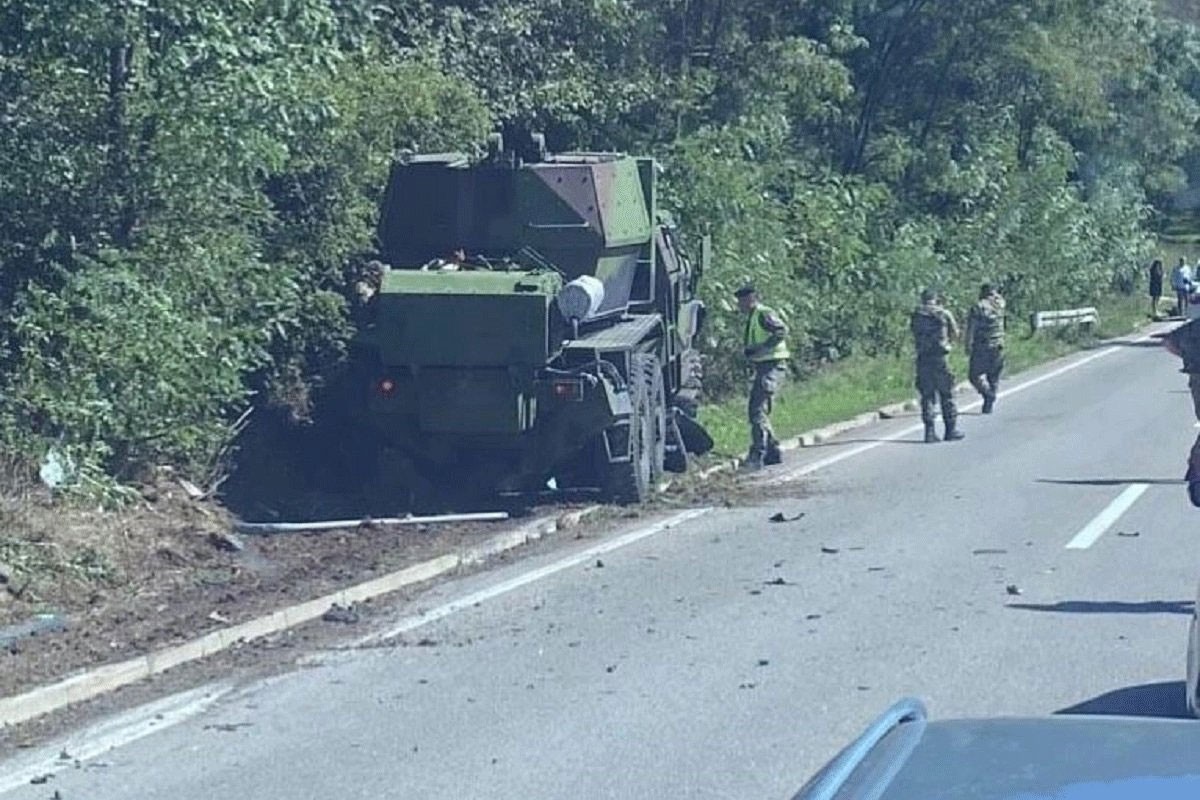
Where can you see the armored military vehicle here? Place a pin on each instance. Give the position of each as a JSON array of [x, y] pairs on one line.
[[534, 324]]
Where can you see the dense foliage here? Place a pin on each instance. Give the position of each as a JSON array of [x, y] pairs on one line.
[[186, 186]]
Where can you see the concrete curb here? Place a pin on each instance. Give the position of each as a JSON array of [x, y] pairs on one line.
[[100, 680]]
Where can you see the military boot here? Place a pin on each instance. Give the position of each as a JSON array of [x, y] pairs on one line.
[[953, 434], [989, 402], [931, 436], [773, 455]]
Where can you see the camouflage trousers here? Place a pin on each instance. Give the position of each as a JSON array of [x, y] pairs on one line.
[[1192, 476], [936, 384], [984, 370], [768, 378]]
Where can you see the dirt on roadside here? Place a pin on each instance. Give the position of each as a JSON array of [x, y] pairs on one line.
[[123, 583], [166, 570]]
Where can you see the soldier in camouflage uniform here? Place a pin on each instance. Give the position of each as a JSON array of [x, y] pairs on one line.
[[985, 345], [369, 281], [766, 347], [1184, 342], [933, 328]]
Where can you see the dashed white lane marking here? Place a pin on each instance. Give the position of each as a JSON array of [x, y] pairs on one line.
[[414, 621], [1106, 518]]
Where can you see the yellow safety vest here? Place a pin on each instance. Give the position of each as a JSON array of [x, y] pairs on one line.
[[757, 335]]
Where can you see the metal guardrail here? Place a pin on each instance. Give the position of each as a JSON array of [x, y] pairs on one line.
[[1070, 316]]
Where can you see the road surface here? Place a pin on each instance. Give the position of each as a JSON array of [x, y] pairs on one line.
[[1045, 564]]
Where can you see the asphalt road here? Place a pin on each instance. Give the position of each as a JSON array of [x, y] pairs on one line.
[[729, 656]]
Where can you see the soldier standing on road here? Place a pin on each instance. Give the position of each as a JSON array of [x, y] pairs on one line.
[[1156, 286], [765, 345], [985, 344], [1184, 342], [933, 328], [1181, 282]]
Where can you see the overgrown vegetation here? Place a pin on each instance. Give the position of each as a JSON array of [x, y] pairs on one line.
[[185, 187]]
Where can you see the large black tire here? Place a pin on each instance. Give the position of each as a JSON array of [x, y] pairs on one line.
[[633, 481]]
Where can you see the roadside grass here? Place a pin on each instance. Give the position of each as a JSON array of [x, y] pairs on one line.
[[859, 385]]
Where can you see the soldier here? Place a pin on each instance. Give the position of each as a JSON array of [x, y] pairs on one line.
[[766, 347], [1181, 282], [1184, 342], [985, 344], [369, 282], [933, 328]]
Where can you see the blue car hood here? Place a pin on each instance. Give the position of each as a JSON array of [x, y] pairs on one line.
[[1060, 758]]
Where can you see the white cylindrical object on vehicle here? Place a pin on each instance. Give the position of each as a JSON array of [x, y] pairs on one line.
[[581, 298]]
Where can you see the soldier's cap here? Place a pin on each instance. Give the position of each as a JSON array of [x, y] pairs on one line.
[[746, 290], [928, 295], [985, 289]]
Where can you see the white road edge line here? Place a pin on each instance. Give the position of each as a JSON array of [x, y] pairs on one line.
[[1106, 518], [821, 464], [109, 735], [415, 621]]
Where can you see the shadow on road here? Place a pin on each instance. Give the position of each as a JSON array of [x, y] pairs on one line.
[[1111, 481], [1108, 607], [1167, 699], [1153, 344]]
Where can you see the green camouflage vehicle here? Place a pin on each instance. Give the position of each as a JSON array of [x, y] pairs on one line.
[[533, 323]]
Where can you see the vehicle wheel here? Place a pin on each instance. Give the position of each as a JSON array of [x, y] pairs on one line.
[[658, 416], [632, 481]]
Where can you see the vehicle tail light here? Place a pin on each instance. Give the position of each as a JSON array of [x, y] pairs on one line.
[[568, 390]]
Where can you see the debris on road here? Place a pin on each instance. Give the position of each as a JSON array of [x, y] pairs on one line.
[[989, 551], [228, 727], [1013, 589], [779, 516], [830, 550], [218, 617], [193, 491], [346, 615], [38, 780], [599, 564], [762, 662], [229, 542], [343, 525], [1129, 534], [778, 582]]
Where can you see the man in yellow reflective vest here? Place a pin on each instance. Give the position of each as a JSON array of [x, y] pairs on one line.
[[765, 345]]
